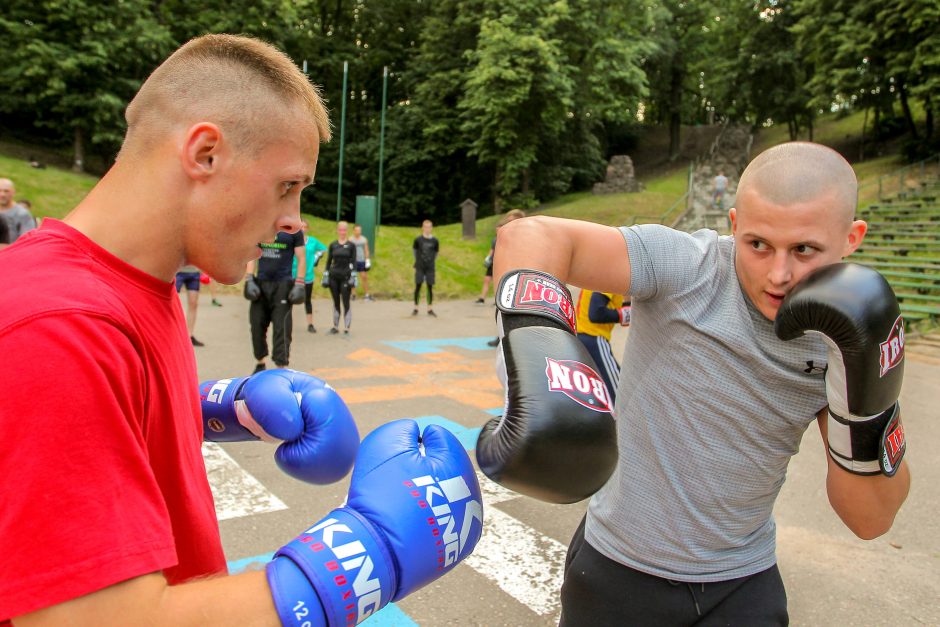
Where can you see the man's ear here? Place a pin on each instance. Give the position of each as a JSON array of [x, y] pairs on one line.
[[856, 235], [733, 216], [200, 150]]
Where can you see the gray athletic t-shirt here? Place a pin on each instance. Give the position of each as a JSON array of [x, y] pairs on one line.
[[711, 406]]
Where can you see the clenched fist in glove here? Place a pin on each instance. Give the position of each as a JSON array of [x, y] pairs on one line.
[[252, 289], [414, 511], [557, 439], [857, 314], [296, 294], [318, 434]]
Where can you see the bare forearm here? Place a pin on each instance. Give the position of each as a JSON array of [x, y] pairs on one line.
[[867, 504], [580, 253], [238, 600]]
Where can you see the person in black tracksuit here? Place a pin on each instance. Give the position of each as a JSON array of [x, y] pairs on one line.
[[340, 266], [275, 278], [425, 249]]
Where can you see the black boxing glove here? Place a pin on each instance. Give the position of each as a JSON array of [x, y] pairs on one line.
[[252, 289], [296, 294], [855, 310], [557, 439]]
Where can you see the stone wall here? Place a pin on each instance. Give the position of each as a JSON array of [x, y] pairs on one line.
[[620, 177]]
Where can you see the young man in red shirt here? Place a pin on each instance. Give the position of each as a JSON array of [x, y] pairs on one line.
[[107, 516]]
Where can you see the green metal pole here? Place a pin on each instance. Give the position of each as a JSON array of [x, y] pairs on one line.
[[378, 218], [342, 143]]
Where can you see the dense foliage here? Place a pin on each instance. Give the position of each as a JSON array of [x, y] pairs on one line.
[[508, 102]]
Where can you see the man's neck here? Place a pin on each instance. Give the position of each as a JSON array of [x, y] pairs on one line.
[[119, 215]]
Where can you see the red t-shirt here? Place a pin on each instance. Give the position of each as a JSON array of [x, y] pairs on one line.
[[103, 477]]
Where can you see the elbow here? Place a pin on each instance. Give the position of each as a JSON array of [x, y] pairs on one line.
[[869, 529]]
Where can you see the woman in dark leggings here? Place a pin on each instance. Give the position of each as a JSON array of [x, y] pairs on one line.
[[340, 261]]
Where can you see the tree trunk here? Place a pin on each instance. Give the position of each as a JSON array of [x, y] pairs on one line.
[[497, 195], [906, 108], [928, 119], [526, 176], [675, 107], [78, 147], [861, 146], [809, 125]]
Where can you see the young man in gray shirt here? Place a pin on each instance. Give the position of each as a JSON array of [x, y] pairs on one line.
[[712, 400]]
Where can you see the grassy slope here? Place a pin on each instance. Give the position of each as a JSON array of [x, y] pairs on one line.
[[460, 269]]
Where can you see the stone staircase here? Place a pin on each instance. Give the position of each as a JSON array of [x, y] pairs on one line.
[[728, 153], [903, 244]]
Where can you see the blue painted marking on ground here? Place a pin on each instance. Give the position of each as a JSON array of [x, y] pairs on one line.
[[420, 347], [391, 616], [249, 563], [466, 435]]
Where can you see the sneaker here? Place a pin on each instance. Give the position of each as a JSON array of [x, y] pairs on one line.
[[480, 301], [311, 328], [346, 331], [216, 303], [195, 341], [334, 331], [259, 368], [368, 297], [414, 312], [494, 342], [354, 297], [431, 313]]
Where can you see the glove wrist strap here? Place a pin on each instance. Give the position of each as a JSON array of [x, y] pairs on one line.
[[345, 565], [867, 446], [530, 292], [219, 412]]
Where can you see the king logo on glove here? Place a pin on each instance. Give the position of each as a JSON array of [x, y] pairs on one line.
[[578, 382], [892, 349]]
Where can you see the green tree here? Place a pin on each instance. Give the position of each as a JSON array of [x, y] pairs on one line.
[[75, 65]]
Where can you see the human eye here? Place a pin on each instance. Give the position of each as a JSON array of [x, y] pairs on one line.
[[805, 249], [287, 186], [756, 244]]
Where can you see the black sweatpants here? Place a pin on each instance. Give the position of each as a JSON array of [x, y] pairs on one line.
[[598, 591], [272, 308]]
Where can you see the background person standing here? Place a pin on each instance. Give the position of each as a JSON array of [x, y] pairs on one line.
[[425, 249], [340, 264], [276, 291], [189, 276], [363, 262], [314, 249], [18, 218]]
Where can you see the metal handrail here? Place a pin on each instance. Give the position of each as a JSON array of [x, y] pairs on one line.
[[901, 174]]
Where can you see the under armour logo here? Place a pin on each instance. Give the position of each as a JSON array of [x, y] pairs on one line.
[[811, 369]]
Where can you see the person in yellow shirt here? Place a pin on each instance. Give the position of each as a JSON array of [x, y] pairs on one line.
[[597, 314]]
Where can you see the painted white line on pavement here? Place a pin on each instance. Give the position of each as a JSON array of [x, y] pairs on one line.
[[236, 492], [525, 564]]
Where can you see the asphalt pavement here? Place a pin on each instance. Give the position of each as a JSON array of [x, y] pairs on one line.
[[440, 370]]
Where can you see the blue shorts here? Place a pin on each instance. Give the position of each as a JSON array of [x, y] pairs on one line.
[[189, 279], [361, 266]]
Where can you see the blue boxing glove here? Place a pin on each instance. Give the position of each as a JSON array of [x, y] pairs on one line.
[[319, 434], [413, 512]]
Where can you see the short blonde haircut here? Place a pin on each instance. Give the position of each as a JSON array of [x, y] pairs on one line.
[[797, 172], [243, 85]]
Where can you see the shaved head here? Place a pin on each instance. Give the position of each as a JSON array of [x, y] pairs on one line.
[[248, 88], [801, 172]]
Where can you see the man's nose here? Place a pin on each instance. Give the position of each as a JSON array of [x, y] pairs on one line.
[[780, 270], [291, 222]]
